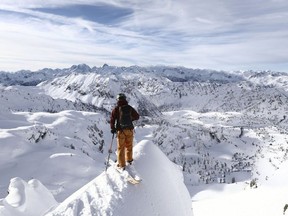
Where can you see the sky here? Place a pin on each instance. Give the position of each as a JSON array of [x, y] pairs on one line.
[[207, 34]]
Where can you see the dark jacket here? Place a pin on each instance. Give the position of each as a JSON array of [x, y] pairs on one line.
[[115, 114]]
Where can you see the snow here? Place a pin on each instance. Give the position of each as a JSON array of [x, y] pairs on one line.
[[24, 198], [50, 147], [264, 201], [240, 199], [56, 148], [161, 191], [54, 143]]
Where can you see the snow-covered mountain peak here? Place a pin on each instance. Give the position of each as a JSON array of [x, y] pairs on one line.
[[220, 127], [176, 74], [162, 192]]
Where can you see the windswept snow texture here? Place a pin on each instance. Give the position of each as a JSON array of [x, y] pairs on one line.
[[162, 191], [63, 150], [24, 198]]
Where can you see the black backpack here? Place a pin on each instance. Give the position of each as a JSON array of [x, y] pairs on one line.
[[125, 117]]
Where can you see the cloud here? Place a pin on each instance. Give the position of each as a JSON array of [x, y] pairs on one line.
[[205, 34]]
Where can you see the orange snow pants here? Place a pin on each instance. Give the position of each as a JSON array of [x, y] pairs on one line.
[[124, 146]]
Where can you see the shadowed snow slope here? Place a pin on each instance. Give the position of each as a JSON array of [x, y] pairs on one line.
[[161, 192]]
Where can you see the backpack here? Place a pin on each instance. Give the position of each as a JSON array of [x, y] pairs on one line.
[[125, 117]]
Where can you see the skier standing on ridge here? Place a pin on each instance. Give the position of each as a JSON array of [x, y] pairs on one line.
[[123, 115]]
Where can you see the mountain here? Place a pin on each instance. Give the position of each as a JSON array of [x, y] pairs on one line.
[[161, 192], [235, 112], [220, 127]]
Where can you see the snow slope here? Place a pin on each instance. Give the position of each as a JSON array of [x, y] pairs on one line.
[[220, 127], [161, 192], [268, 199], [24, 198], [264, 201], [50, 147]]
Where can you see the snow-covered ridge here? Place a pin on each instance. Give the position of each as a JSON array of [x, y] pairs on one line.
[[218, 126], [162, 191], [243, 109], [33, 99], [176, 74], [256, 99], [147, 87]]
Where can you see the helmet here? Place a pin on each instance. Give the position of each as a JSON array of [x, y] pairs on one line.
[[121, 96]]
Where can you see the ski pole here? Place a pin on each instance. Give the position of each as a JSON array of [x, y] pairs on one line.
[[109, 152]]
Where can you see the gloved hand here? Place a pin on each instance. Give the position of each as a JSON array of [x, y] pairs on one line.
[[113, 130]]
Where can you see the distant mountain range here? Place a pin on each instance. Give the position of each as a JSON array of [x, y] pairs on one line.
[[176, 74], [219, 126]]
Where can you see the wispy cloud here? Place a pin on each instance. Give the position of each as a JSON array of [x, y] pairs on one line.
[[220, 34]]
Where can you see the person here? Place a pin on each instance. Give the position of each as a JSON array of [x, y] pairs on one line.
[[121, 123]]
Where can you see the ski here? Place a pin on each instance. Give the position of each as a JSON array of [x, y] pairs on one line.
[[124, 173]]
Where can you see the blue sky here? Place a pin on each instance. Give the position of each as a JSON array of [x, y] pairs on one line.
[[207, 34]]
